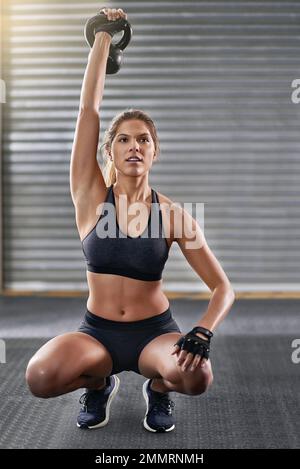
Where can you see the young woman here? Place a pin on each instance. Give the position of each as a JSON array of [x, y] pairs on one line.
[[128, 324]]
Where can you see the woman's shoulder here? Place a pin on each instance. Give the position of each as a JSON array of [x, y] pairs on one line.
[[171, 213], [168, 203], [164, 198]]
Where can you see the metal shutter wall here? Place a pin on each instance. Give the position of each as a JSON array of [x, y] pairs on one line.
[[216, 78]]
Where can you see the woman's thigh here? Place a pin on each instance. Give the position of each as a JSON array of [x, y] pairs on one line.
[[156, 360], [66, 357], [157, 354]]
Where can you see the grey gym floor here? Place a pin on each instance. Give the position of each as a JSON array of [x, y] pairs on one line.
[[253, 402]]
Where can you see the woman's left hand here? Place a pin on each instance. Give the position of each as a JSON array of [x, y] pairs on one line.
[[188, 360]]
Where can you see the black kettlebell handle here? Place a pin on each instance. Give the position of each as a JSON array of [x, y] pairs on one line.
[[125, 39], [101, 18]]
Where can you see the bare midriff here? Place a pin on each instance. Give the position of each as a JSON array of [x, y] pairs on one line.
[[119, 298]]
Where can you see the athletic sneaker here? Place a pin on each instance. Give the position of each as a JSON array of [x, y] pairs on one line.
[[96, 404], [158, 417]]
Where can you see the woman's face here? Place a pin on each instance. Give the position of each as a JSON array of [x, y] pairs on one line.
[[133, 139]]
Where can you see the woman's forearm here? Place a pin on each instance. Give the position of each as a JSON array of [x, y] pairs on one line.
[[94, 77], [219, 305]]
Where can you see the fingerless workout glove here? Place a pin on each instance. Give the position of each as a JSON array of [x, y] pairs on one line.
[[112, 27], [195, 344]]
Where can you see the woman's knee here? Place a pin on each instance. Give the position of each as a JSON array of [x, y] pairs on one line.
[[194, 382], [200, 382], [41, 378]]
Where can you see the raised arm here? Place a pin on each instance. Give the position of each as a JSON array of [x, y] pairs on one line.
[[86, 179]]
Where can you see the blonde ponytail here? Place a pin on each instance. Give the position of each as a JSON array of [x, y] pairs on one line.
[[109, 172]]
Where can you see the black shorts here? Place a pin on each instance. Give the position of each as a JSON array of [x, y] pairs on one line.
[[125, 340]]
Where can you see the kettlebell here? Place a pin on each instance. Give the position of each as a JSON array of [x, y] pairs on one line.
[[100, 23]]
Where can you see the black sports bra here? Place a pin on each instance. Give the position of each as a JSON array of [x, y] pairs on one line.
[[141, 257]]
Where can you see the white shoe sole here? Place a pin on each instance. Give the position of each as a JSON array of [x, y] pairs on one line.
[[147, 408], [107, 409]]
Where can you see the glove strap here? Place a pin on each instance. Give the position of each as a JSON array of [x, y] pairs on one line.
[[203, 331]]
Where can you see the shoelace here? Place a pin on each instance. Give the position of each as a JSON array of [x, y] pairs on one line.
[[87, 398], [162, 404]]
